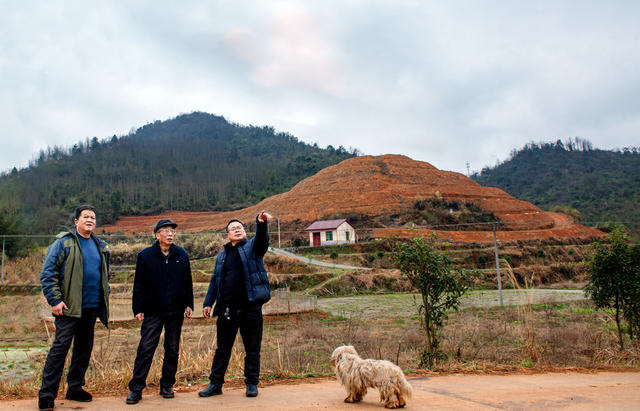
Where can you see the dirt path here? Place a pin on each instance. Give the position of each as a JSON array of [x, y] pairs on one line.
[[319, 263], [309, 260], [568, 391]]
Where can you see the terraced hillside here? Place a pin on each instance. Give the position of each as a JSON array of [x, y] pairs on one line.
[[383, 186]]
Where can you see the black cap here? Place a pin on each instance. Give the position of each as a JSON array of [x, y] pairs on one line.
[[163, 223]]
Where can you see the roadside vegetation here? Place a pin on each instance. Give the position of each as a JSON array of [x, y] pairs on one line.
[[614, 282], [441, 285]]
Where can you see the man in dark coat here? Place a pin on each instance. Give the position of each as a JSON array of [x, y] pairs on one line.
[[75, 282], [240, 286], [162, 297]]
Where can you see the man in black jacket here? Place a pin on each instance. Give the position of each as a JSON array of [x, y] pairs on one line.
[[239, 286], [162, 297]]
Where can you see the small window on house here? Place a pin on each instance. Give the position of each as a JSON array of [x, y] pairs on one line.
[[346, 235], [329, 236]]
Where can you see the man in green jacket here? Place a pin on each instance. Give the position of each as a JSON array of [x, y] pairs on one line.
[[75, 282]]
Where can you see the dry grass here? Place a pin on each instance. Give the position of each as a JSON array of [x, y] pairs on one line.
[[198, 246], [487, 339], [25, 270], [286, 265], [364, 282], [532, 337], [530, 349], [20, 320]]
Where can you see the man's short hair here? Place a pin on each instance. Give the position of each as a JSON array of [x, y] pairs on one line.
[[232, 221], [83, 207]]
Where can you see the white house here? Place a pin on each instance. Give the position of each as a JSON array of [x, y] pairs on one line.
[[329, 232]]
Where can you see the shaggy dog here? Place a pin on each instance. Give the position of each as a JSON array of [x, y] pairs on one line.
[[356, 375]]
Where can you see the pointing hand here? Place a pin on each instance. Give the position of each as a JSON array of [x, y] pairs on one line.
[[264, 216]]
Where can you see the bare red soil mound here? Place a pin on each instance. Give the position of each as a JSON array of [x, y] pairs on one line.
[[382, 185]]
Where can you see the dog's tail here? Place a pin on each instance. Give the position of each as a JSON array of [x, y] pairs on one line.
[[405, 388]]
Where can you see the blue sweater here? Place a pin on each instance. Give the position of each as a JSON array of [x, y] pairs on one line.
[[91, 281]]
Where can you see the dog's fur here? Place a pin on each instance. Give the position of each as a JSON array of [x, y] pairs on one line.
[[356, 375]]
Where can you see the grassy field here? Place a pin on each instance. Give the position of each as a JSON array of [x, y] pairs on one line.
[[405, 304]]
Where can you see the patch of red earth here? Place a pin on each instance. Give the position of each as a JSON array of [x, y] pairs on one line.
[[377, 186]]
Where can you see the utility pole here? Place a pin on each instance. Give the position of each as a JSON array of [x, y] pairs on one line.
[[278, 232], [3, 238], [468, 172], [495, 250]]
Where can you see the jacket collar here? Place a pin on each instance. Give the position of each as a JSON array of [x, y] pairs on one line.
[[74, 233], [157, 250], [228, 246]]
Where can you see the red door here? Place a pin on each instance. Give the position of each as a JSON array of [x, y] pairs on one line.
[[316, 239]]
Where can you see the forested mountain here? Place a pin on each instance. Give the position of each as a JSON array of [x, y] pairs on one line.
[[603, 186], [196, 161]]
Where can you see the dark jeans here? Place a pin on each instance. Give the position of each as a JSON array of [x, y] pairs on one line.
[[149, 337], [80, 331], [250, 324]]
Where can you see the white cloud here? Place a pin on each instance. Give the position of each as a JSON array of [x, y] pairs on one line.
[[294, 51], [443, 82]]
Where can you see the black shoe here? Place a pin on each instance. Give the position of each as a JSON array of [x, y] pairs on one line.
[[212, 389], [252, 390], [79, 395], [167, 392], [45, 404], [134, 397]]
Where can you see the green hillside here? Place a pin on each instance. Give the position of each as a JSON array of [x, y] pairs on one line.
[[196, 161], [603, 186]]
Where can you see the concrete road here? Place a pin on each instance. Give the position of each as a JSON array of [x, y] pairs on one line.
[[568, 391], [315, 262]]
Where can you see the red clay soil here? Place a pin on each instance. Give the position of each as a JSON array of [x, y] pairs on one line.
[[382, 185]]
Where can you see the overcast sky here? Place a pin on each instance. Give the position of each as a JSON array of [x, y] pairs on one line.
[[444, 82]]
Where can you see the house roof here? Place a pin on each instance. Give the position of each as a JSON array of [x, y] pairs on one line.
[[327, 224]]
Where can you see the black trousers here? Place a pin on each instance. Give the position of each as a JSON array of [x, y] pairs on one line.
[[150, 331], [249, 322], [68, 329]]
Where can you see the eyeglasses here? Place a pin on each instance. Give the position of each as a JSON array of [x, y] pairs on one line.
[[235, 228], [167, 231]]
